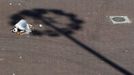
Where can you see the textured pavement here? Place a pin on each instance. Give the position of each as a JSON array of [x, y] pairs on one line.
[[77, 38]]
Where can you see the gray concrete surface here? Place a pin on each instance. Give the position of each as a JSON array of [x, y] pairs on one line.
[[97, 48]]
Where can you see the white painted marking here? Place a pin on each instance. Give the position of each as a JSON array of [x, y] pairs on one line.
[[19, 4], [127, 20]]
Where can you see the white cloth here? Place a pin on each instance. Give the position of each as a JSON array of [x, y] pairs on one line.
[[23, 25]]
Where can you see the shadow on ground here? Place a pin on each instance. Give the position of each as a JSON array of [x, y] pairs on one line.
[[48, 17], [65, 21]]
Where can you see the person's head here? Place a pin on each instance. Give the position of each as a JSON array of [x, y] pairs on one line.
[[14, 30]]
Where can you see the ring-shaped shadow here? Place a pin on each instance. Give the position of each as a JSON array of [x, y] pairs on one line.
[[70, 25]]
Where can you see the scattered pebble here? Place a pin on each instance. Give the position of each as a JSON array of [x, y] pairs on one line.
[[126, 51], [13, 74], [40, 25], [19, 3], [20, 57], [10, 3]]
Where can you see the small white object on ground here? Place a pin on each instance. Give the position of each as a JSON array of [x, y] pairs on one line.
[[10, 3], [13, 74], [40, 25], [19, 3], [20, 57]]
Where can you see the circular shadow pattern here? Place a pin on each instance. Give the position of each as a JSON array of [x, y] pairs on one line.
[[49, 17]]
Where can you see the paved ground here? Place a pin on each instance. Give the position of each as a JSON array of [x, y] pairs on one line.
[[78, 38]]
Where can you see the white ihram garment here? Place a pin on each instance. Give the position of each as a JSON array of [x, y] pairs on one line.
[[23, 26]]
